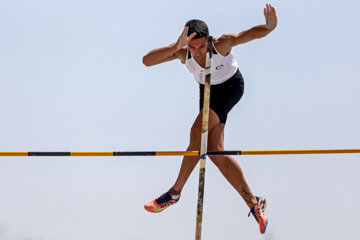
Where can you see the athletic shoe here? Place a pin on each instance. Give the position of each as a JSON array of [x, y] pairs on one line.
[[161, 203], [258, 211]]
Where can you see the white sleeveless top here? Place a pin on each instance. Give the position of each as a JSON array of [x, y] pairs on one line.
[[222, 68]]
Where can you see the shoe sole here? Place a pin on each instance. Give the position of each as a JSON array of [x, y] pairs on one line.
[[265, 226], [267, 221]]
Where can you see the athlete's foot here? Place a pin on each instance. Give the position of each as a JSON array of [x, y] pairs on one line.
[[258, 211], [161, 203]]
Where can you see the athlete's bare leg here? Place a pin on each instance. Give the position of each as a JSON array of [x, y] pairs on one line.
[[189, 162], [228, 166]]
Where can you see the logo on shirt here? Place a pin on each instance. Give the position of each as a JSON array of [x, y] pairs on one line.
[[219, 67]]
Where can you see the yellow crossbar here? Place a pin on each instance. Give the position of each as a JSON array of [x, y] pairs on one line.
[[180, 153]]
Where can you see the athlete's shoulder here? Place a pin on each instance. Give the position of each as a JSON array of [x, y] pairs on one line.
[[223, 44]]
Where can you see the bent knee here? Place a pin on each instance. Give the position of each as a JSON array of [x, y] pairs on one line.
[[218, 160], [215, 143]]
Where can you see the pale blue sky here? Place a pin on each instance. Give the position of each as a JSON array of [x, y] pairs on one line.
[[71, 79]]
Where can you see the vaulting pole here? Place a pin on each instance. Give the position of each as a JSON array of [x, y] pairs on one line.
[[204, 139]]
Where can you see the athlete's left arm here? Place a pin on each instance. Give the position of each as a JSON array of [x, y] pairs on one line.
[[227, 41]]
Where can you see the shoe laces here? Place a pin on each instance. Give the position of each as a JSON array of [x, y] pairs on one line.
[[255, 211], [258, 209], [165, 200]]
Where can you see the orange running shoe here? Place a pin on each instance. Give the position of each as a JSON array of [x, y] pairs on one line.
[[258, 211], [161, 203]]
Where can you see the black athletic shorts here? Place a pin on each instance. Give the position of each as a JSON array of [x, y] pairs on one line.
[[224, 96]]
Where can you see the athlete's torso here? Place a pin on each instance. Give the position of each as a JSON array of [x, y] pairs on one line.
[[222, 67]]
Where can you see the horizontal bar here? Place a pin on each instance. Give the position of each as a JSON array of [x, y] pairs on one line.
[[306, 151], [180, 153]]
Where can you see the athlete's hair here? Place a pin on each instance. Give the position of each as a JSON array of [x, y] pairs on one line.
[[198, 26]]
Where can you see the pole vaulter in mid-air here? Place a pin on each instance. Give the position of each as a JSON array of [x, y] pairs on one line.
[[227, 86]]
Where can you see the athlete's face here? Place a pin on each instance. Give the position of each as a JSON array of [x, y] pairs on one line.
[[197, 47]]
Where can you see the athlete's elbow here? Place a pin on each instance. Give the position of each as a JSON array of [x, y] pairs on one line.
[[146, 61]]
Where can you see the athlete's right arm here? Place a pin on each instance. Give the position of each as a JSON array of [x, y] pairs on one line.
[[169, 53], [161, 55]]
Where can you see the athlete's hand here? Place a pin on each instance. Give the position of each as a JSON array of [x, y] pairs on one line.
[[270, 16], [184, 39]]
